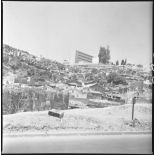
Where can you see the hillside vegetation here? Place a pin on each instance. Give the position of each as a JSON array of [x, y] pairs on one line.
[[32, 83], [16, 61]]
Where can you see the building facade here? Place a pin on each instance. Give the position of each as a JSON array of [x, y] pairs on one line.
[[82, 57]]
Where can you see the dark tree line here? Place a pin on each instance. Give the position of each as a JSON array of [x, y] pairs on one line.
[[123, 62], [104, 55]]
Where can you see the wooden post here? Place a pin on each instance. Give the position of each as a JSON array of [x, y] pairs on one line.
[[133, 103], [132, 110]]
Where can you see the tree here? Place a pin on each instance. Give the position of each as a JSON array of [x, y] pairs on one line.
[[125, 61], [108, 54], [116, 79], [104, 55], [122, 62], [140, 66], [94, 71], [5, 59], [117, 62], [15, 64]]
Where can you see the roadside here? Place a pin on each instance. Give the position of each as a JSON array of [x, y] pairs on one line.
[[97, 121], [74, 133]]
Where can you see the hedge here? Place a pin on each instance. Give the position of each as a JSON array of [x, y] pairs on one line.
[[33, 99]]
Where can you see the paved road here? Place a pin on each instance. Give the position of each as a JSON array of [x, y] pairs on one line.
[[79, 144]]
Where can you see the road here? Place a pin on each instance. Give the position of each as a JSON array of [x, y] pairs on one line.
[[141, 144]]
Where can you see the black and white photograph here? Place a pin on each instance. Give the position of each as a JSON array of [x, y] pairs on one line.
[[77, 77]]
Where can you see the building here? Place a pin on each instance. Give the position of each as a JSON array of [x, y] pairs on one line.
[[82, 57], [9, 79], [66, 62], [74, 84], [77, 93], [95, 60], [94, 95]]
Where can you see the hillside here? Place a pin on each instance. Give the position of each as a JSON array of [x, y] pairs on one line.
[[33, 83], [22, 62]]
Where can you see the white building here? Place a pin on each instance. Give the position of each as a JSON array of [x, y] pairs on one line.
[[95, 60]]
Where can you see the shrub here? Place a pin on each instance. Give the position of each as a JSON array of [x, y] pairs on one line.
[[116, 79], [32, 99], [11, 101]]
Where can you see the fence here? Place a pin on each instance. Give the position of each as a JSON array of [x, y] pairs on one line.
[[33, 99]]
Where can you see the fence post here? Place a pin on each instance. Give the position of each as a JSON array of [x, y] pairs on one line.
[[133, 103]]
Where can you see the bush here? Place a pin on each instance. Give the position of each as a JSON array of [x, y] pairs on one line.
[[11, 101], [32, 99], [116, 79]]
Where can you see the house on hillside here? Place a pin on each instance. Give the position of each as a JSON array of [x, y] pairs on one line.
[[51, 85], [77, 93], [9, 79], [24, 86], [74, 84], [34, 82], [123, 89], [89, 82], [61, 86], [96, 87], [21, 80], [114, 97], [147, 84], [90, 85], [94, 95], [22, 73]]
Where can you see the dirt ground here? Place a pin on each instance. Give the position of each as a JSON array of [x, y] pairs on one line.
[[115, 118]]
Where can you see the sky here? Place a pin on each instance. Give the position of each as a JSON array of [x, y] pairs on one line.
[[55, 30]]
